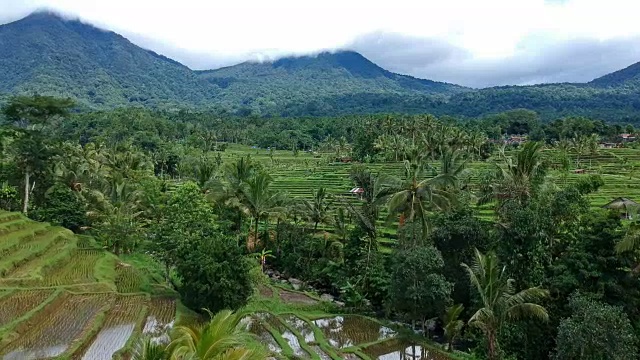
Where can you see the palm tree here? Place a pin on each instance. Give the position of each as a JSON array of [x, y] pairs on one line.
[[520, 178], [72, 169], [116, 210], [452, 324], [147, 349], [581, 144], [128, 162], [259, 199], [263, 256], [229, 191], [376, 191], [339, 223], [452, 167], [205, 170], [317, 209], [475, 141], [224, 337], [415, 195], [499, 300]]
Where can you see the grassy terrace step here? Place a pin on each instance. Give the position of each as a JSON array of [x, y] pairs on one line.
[[14, 225], [9, 216], [34, 267], [31, 250], [78, 271], [12, 241]]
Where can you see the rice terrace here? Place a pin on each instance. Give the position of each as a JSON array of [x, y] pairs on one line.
[[64, 297], [406, 180]]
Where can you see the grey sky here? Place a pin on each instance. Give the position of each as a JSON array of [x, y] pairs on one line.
[[492, 42]]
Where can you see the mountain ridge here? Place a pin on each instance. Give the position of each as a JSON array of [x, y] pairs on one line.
[[49, 54]]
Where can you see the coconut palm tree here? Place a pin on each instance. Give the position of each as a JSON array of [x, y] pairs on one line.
[[453, 167], [376, 191], [475, 141], [317, 209], [205, 171], [259, 199], [224, 337], [499, 300], [147, 349], [518, 177], [414, 195], [582, 145], [452, 324], [229, 189], [116, 210]]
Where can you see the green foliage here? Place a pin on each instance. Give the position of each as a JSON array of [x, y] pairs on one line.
[[452, 323], [499, 301], [224, 337], [455, 235], [595, 331], [213, 271], [62, 207], [8, 197], [186, 217], [35, 110], [591, 264], [418, 289]]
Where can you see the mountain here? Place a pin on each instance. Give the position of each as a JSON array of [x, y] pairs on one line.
[[272, 86], [629, 77], [47, 54], [50, 55]]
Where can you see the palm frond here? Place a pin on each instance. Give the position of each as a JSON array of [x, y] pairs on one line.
[[528, 311]]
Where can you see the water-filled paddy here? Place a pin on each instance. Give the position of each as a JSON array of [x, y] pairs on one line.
[[352, 330], [401, 350]]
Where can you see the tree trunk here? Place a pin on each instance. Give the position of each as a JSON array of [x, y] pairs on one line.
[[257, 229], [25, 205], [491, 338]]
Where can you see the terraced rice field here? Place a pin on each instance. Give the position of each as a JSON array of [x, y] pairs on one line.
[[50, 332], [57, 299], [160, 319], [345, 336], [311, 335], [19, 302], [78, 271], [299, 176], [117, 329]]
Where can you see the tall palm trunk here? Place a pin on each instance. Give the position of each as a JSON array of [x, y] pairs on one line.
[[25, 205], [493, 344], [256, 231]]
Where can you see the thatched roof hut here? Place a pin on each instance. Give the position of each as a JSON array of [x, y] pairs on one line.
[[623, 205]]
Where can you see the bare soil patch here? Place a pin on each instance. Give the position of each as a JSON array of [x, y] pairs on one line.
[[296, 298]]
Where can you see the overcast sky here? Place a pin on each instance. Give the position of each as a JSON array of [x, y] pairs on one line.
[[469, 42]]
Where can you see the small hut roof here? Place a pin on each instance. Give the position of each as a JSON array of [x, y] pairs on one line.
[[621, 204]]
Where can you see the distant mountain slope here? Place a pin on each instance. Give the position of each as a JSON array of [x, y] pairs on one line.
[[629, 76], [46, 54], [271, 86]]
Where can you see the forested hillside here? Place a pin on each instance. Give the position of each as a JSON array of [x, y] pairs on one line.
[[45, 54], [307, 85]]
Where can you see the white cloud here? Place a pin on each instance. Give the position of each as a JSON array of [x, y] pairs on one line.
[[206, 33]]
